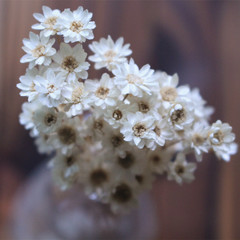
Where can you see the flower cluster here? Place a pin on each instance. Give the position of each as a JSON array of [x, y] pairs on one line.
[[115, 134]]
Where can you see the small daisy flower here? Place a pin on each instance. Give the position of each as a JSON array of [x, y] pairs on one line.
[[102, 93], [113, 141], [67, 136], [78, 100], [109, 54], [132, 80], [47, 21], [76, 26], [51, 88], [26, 117], [180, 115], [196, 138], [130, 161], [123, 195], [169, 92], [47, 120], [144, 179], [65, 169], [159, 159], [97, 176], [146, 104], [200, 110], [42, 144], [117, 115], [136, 129], [96, 127], [71, 61], [221, 138], [39, 50], [180, 170], [27, 84], [160, 133]]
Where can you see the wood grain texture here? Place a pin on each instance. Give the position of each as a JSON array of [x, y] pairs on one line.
[[199, 40]]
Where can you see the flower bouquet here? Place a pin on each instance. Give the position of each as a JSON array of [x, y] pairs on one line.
[[112, 135]]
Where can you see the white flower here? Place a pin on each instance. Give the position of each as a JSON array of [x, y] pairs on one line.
[[169, 92], [67, 136], [180, 115], [117, 115], [130, 161], [39, 50], [136, 129], [51, 88], [180, 170], [26, 117], [145, 104], [47, 21], [78, 101], [47, 120], [96, 127], [112, 141], [109, 54], [123, 195], [97, 176], [102, 93], [76, 26], [222, 139], [159, 159], [160, 133], [42, 144], [27, 84], [65, 169], [196, 138], [200, 110], [132, 80], [71, 61]]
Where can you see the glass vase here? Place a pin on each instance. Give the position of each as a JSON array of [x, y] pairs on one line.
[[42, 212]]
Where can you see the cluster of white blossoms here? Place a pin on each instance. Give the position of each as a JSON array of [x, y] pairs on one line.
[[115, 134]]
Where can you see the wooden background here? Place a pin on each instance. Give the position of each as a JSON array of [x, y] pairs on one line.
[[197, 39]]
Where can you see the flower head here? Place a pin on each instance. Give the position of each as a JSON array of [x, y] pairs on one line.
[[39, 50], [47, 21], [76, 26], [109, 54]]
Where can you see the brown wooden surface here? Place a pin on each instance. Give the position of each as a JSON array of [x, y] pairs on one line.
[[199, 40]]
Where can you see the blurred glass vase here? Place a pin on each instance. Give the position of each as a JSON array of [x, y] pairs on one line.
[[43, 212]]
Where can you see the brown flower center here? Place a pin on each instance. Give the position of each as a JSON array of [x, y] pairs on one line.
[[178, 116], [139, 179], [179, 169], [98, 125], [131, 78], [102, 92], [117, 114], [70, 160], [198, 139], [50, 119], [139, 129], [98, 177], [77, 95], [117, 140], [38, 51], [69, 63], [67, 135], [155, 159], [143, 107], [51, 21], [122, 193], [127, 161], [168, 94], [76, 26]]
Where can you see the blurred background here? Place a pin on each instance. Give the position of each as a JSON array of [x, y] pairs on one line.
[[197, 39]]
